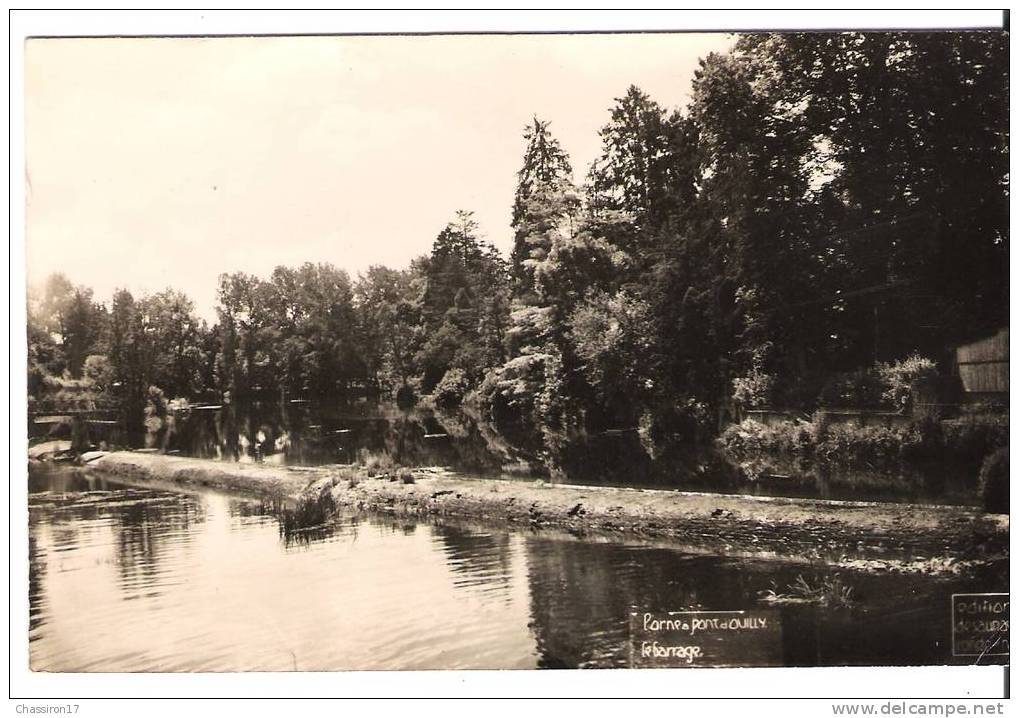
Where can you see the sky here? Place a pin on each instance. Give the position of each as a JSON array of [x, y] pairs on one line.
[[160, 162]]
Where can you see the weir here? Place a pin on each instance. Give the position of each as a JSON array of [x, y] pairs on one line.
[[864, 535]]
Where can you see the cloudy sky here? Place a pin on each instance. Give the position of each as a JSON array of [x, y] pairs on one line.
[[165, 162]]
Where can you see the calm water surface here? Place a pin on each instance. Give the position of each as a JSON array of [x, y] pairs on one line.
[[142, 579], [314, 433]]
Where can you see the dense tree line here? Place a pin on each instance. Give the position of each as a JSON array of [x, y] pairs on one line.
[[825, 202]]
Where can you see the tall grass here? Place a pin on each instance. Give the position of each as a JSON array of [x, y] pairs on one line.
[[828, 591]]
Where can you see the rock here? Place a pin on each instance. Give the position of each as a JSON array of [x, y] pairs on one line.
[[92, 456], [41, 451]]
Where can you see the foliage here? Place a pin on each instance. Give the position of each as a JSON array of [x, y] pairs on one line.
[[848, 446], [747, 248], [868, 446], [99, 372], [630, 175], [156, 410], [611, 335], [464, 305], [829, 591], [546, 168], [58, 394], [452, 389], [994, 482], [973, 440], [753, 390], [387, 322], [751, 438], [900, 377], [312, 511]]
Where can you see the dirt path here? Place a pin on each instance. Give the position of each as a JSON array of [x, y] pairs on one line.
[[931, 539]]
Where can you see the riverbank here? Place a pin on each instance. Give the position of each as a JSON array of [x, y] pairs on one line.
[[898, 537]]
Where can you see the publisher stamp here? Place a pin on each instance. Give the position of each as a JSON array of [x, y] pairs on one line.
[[980, 624]]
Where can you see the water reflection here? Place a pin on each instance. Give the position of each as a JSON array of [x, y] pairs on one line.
[[36, 579], [479, 558], [313, 434], [575, 583], [132, 579], [148, 530], [582, 593], [381, 434]]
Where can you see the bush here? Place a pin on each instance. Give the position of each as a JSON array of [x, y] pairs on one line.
[[405, 397], [156, 409], [750, 438], [994, 482], [99, 371], [684, 423], [847, 446], [840, 445], [452, 388], [887, 385], [974, 440], [899, 377], [377, 463], [854, 446], [753, 390]]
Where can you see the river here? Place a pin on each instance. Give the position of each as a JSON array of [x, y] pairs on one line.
[[141, 578], [314, 433]]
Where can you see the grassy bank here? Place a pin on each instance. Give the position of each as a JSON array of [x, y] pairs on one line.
[[880, 536]]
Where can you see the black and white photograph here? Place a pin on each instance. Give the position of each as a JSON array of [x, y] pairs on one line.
[[443, 351]]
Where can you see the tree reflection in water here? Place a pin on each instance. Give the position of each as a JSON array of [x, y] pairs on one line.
[[148, 530], [479, 558]]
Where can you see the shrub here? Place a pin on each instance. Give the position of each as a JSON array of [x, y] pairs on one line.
[[899, 377], [973, 440], [880, 448], [99, 371], [749, 438], [156, 409], [452, 388], [870, 446], [405, 397], [994, 487], [753, 390], [838, 445], [683, 423], [377, 463]]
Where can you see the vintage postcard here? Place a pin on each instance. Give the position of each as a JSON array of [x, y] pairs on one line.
[[517, 351]]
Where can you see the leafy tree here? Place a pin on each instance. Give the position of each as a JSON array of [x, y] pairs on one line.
[[929, 209], [76, 322], [243, 312], [384, 301], [175, 333]]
